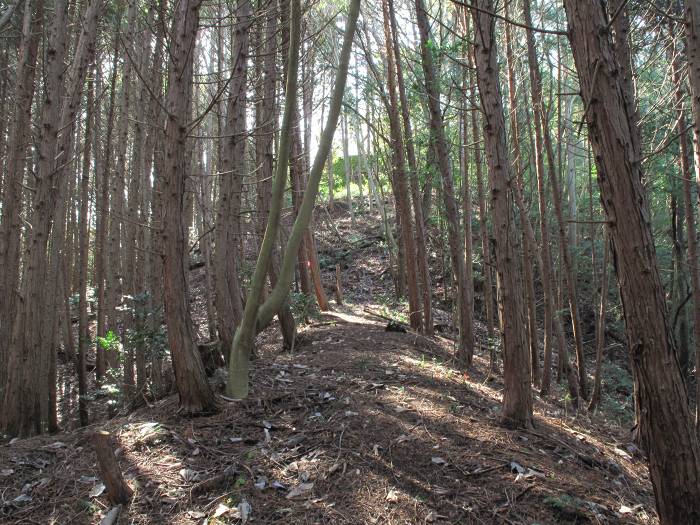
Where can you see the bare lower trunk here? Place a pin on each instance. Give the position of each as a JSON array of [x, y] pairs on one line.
[[400, 186], [600, 326], [465, 351], [674, 457], [517, 397], [11, 229], [195, 394]]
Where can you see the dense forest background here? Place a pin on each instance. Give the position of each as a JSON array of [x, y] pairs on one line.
[[188, 188]]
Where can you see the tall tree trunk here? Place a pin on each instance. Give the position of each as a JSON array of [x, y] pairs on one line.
[[11, 229], [688, 205], [195, 394], [403, 206], [517, 397], [102, 171], [692, 33], [130, 219], [229, 300], [83, 248], [528, 236], [674, 457], [416, 196], [542, 129], [600, 325], [486, 264], [347, 168], [27, 407], [465, 351]]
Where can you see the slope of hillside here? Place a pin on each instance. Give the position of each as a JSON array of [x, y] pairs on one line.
[[357, 425]]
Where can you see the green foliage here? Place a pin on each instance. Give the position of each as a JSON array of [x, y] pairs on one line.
[[617, 401], [567, 507], [392, 309], [148, 332], [303, 307], [110, 342]]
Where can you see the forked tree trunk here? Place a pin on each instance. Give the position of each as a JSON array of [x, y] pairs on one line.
[[265, 114], [674, 456], [517, 397], [255, 316], [237, 385], [195, 394]]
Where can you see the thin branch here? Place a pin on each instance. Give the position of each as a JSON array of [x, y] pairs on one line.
[[510, 21]]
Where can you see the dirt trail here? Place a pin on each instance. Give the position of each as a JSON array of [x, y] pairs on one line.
[[358, 425], [364, 426]]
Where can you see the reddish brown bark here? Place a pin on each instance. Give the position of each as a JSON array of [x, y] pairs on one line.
[[465, 350], [517, 397], [674, 457], [400, 177], [195, 394]]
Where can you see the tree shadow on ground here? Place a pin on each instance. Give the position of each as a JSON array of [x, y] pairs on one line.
[[368, 426]]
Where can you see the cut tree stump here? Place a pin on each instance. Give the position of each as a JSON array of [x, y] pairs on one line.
[[338, 288], [117, 489]]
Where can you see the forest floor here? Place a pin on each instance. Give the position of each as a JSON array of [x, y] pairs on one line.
[[357, 425]]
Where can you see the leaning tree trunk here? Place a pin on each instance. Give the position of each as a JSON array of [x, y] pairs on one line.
[[674, 457], [195, 394], [517, 397]]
